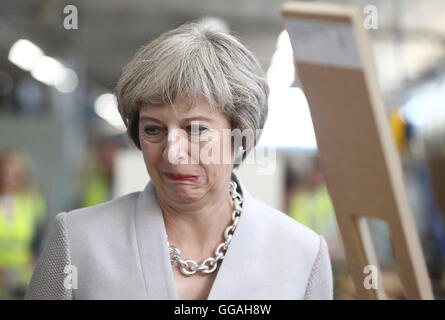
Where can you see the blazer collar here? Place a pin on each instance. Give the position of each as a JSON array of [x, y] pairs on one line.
[[152, 245], [155, 260]]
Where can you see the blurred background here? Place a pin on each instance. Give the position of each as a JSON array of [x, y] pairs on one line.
[[63, 146]]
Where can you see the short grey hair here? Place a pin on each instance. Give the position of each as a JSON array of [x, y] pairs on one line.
[[195, 61]]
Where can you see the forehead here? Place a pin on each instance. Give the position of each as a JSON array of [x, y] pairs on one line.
[[12, 161], [182, 110]]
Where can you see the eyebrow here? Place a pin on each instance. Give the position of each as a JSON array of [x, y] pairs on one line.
[[198, 118], [203, 118], [149, 118]]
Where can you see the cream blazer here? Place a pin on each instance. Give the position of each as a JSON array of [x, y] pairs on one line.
[[118, 250]]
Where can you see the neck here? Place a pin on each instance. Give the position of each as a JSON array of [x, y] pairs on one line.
[[196, 229]]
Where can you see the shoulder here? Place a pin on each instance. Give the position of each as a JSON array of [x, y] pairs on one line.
[[285, 230], [285, 248], [112, 207], [105, 216]]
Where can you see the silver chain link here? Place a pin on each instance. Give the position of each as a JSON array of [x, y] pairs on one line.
[[190, 267]]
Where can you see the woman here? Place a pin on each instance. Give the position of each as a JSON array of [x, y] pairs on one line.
[[194, 232], [22, 213]]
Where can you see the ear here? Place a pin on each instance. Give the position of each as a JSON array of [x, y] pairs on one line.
[[239, 155]]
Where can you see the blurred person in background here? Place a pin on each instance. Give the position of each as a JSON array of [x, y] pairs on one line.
[[311, 205], [99, 177], [22, 215], [423, 193], [182, 97], [292, 184]]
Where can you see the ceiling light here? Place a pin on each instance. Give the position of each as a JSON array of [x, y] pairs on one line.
[[24, 53]]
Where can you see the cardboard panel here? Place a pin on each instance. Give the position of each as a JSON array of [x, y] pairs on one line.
[[357, 152]]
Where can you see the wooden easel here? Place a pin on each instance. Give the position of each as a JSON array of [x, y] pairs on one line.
[[357, 152]]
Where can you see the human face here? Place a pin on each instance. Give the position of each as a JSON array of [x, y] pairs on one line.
[[185, 151], [12, 174]]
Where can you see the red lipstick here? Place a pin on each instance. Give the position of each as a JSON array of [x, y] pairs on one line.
[[181, 177]]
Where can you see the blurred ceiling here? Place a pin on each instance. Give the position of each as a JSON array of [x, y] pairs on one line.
[[408, 44], [111, 31]]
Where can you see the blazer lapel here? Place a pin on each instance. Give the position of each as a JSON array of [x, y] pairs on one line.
[[230, 282], [153, 249]]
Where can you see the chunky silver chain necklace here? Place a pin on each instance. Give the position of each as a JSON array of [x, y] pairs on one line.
[[190, 267]]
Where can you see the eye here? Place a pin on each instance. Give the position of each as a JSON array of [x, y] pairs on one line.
[[194, 129], [152, 130]]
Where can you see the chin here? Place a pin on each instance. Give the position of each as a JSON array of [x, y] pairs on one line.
[[184, 193]]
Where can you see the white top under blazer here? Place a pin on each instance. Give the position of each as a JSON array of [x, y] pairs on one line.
[[118, 250]]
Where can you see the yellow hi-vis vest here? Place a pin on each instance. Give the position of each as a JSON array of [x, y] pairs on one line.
[[314, 209], [97, 190], [17, 231]]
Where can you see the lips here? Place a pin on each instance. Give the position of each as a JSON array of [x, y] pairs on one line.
[[180, 177]]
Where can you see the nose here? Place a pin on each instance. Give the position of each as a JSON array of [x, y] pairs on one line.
[[176, 150]]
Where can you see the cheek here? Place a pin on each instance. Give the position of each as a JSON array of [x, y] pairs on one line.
[[215, 156], [151, 152]]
